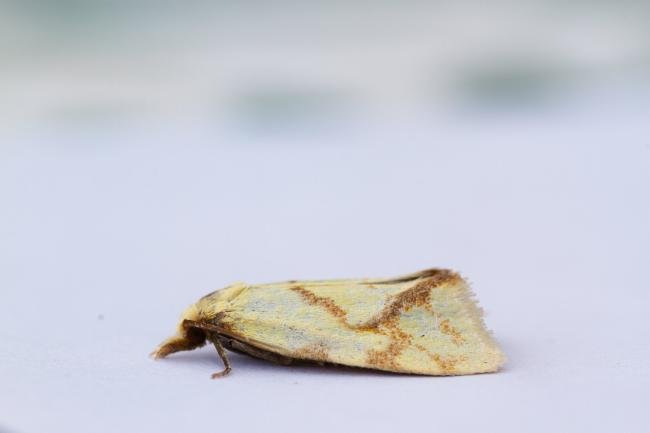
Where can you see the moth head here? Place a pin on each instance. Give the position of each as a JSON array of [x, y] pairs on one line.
[[208, 310], [187, 337]]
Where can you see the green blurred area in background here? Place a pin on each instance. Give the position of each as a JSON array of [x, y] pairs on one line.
[[259, 63]]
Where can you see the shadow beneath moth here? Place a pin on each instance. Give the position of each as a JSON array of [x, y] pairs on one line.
[[423, 323]]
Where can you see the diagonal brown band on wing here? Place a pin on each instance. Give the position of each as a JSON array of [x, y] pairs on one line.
[[417, 296], [321, 301], [386, 322], [447, 329]]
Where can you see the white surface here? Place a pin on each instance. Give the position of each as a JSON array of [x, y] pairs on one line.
[[106, 238]]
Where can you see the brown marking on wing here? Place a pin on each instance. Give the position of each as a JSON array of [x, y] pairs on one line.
[[314, 352], [446, 364], [417, 296], [321, 301], [387, 321], [388, 357], [427, 273], [456, 337]]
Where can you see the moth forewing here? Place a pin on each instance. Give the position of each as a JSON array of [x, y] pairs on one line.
[[422, 323]]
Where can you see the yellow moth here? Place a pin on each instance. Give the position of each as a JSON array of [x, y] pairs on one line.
[[421, 323]]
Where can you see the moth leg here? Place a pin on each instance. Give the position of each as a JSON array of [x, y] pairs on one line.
[[241, 347], [224, 358]]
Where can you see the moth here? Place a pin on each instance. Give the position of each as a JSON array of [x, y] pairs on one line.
[[423, 323]]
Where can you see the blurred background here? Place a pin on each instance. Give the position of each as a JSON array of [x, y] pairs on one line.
[[287, 65], [151, 152]]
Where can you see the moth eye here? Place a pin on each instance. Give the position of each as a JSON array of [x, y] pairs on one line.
[[195, 334]]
